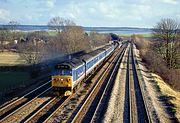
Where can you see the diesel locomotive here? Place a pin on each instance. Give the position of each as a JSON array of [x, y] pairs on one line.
[[68, 75]]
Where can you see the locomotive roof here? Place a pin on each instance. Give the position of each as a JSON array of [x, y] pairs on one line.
[[73, 63]]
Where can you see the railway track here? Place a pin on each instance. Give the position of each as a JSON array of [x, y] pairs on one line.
[[48, 110], [15, 104], [137, 110], [25, 110], [71, 102], [106, 92], [95, 101], [54, 114]]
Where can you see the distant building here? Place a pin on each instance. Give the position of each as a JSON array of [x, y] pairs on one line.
[[15, 41]]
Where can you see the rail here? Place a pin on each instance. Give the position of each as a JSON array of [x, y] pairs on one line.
[[79, 117], [103, 96], [14, 112], [4, 109], [135, 66]]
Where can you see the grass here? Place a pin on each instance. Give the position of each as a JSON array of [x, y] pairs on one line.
[[10, 79], [10, 58], [169, 92], [52, 33], [125, 35], [145, 35]]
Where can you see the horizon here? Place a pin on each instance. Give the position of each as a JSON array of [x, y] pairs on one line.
[[84, 26]]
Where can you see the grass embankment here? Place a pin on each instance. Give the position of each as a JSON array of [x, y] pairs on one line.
[[169, 92], [12, 79], [155, 63]]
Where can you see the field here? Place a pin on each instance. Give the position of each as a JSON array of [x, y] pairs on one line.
[[9, 79], [145, 35], [10, 58], [52, 33]]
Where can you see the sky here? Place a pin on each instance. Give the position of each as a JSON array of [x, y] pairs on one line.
[[104, 13]]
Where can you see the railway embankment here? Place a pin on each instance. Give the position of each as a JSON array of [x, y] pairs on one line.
[[171, 96], [155, 106], [164, 93]]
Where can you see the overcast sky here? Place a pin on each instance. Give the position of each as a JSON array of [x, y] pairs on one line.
[[121, 13]]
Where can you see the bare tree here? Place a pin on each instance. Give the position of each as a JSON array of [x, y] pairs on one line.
[[97, 39], [167, 31], [73, 39], [32, 51], [70, 38], [12, 26], [58, 23], [4, 33], [55, 47]]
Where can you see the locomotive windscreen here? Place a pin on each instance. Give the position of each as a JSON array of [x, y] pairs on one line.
[[60, 66]]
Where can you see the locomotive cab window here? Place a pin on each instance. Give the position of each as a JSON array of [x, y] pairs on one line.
[[65, 72]]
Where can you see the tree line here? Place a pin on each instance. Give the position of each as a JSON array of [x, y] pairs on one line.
[[66, 38], [63, 37]]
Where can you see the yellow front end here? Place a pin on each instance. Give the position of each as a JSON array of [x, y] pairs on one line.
[[62, 85]]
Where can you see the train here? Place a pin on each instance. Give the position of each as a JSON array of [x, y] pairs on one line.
[[67, 76]]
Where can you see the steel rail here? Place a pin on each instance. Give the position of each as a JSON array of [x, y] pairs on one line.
[[42, 108], [94, 118], [52, 114], [2, 110], [14, 112], [147, 115], [91, 94], [131, 91]]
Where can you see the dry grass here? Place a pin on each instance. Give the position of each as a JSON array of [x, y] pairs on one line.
[[169, 92], [10, 58]]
